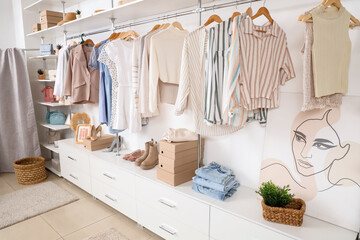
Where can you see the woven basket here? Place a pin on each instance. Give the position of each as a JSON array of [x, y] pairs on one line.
[[30, 170], [288, 215]]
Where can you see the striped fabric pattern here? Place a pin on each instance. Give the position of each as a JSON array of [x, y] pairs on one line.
[[232, 111], [265, 63], [219, 43], [192, 84]]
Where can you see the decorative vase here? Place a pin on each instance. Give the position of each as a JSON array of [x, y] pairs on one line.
[[41, 76], [291, 214]]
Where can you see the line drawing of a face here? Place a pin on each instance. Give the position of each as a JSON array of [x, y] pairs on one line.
[[311, 144]]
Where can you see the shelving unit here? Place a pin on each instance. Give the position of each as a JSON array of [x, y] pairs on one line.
[[49, 147], [50, 168], [133, 10], [53, 104], [43, 81], [54, 127], [45, 57], [43, 4]]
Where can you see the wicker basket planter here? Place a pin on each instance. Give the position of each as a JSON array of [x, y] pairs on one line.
[[292, 214], [30, 170]]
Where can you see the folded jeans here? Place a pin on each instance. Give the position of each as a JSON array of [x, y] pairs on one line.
[[216, 186], [214, 193], [216, 173]]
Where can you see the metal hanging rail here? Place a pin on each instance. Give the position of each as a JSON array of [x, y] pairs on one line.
[[198, 10]]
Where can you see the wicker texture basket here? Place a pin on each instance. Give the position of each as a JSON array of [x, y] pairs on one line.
[[30, 170], [286, 215]]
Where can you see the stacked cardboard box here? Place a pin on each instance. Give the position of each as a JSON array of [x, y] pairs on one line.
[[178, 161], [50, 19], [36, 27]]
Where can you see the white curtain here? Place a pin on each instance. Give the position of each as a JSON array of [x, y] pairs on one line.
[[18, 130]]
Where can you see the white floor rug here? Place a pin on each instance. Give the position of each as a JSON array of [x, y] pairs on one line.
[[110, 234], [32, 201]]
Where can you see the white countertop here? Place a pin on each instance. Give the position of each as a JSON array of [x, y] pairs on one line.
[[244, 203]]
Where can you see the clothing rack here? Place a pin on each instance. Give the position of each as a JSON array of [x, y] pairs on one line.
[[31, 49], [198, 10]]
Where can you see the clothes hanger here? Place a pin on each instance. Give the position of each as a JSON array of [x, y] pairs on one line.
[[82, 39], [156, 27], [88, 41], [165, 25], [326, 3], [129, 34], [177, 25], [263, 11], [234, 15], [213, 18], [249, 10]]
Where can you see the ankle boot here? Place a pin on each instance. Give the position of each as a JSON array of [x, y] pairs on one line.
[[139, 160], [152, 159]]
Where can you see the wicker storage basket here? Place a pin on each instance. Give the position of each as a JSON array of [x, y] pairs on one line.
[[30, 170], [288, 215]]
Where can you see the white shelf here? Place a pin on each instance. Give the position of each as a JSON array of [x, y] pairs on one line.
[[40, 5], [50, 147], [130, 11], [54, 127], [53, 104], [44, 80], [50, 168], [45, 57]]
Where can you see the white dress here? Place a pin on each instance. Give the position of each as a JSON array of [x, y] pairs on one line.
[[120, 52]]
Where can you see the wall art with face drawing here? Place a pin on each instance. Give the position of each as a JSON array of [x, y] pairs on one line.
[[318, 154]]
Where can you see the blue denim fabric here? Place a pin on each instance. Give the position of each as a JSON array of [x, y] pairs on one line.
[[214, 193], [215, 173], [216, 186], [105, 87]]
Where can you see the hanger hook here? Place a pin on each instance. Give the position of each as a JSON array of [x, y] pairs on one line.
[[237, 2], [213, 8], [251, 3], [264, 3]]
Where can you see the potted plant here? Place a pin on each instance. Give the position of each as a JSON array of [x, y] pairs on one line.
[[280, 206], [58, 47], [40, 74], [78, 14]]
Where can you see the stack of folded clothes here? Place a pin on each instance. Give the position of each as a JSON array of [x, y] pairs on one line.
[[215, 181]]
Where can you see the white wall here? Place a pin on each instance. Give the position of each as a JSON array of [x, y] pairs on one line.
[[7, 28]]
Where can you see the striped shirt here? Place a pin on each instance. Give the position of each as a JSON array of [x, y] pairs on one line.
[[265, 63], [192, 84], [232, 111], [219, 43]]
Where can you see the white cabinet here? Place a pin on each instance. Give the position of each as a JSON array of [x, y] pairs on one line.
[[165, 226], [76, 176], [175, 205], [225, 226]]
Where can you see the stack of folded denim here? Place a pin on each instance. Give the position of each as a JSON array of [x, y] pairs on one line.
[[215, 181]]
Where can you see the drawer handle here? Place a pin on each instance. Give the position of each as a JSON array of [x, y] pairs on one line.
[[109, 176], [168, 229], [167, 202], [74, 176], [112, 199], [72, 158]]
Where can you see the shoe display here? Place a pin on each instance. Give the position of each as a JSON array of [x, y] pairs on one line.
[[134, 155], [113, 145], [152, 159], [139, 160]]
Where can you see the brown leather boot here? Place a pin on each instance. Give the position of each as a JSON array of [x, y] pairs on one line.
[[139, 160], [152, 159]]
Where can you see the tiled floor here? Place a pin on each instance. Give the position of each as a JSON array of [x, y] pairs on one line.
[[74, 221]]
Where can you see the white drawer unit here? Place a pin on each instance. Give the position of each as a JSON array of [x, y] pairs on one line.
[[77, 159], [77, 177], [114, 198], [167, 227], [123, 181], [225, 226], [175, 205]]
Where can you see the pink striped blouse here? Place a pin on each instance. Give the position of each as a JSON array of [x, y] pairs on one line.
[[264, 64]]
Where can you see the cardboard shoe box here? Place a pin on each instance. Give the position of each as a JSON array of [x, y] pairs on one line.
[[175, 179], [50, 13], [173, 167], [100, 143], [36, 27], [180, 150]]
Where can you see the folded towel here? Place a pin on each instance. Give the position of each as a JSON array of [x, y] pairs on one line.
[[215, 173], [216, 186], [214, 193]]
